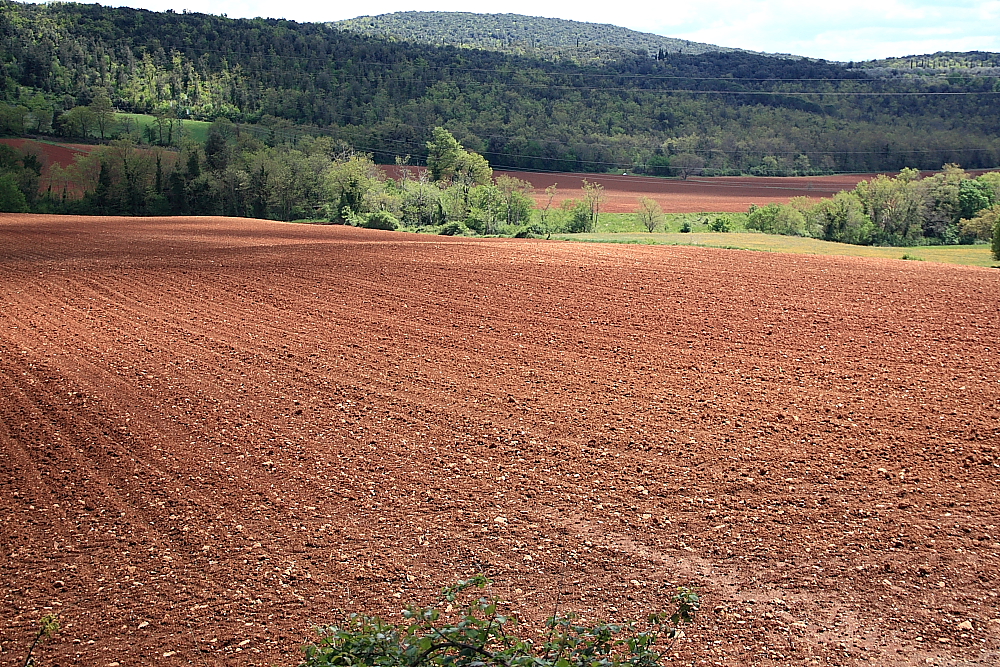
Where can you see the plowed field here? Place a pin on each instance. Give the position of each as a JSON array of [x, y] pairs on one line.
[[49, 153], [214, 432], [721, 194]]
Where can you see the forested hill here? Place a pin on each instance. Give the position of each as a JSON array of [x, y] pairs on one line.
[[724, 112], [942, 63], [534, 35]]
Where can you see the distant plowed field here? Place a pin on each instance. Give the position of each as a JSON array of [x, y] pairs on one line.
[[214, 432], [50, 154], [722, 194]]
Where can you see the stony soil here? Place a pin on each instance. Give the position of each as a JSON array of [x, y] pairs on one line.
[[214, 433]]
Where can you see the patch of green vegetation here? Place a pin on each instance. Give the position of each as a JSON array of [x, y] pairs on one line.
[[195, 130], [629, 223], [618, 223], [476, 631], [48, 626], [967, 255]]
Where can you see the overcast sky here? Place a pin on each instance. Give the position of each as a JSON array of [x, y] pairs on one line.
[[835, 30]]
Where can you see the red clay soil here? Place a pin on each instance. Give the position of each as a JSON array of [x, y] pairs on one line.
[[724, 194], [61, 154], [215, 432], [64, 155], [52, 154]]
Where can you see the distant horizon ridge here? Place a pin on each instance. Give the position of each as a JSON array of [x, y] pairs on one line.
[[694, 46]]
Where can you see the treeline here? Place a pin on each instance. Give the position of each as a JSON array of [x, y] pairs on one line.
[[97, 120], [237, 174], [723, 113], [950, 207]]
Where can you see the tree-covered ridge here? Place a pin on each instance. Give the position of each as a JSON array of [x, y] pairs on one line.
[[732, 112], [516, 33], [942, 62]]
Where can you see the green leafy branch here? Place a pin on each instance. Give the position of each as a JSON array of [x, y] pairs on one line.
[[476, 636], [48, 625]]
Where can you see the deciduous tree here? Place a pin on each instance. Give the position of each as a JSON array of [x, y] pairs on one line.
[[79, 121], [104, 114], [544, 212], [442, 154], [981, 226], [650, 215], [348, 180], [686, 164], [517, 204], [593, 196], [894, 207]]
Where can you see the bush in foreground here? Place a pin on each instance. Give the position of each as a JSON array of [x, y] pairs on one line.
[[477, 635]]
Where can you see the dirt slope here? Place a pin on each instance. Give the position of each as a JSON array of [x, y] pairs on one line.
[[214, 432]]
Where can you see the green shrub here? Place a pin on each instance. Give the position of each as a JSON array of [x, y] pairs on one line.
[[12, 200], [532, 231], [685, 227], [476, 634], [453, 228], [995, 245], [777, 219], [381, 220], [720, 224], [580, 220]]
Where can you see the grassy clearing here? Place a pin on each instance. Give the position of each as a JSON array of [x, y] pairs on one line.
[[626, 223], [196, 130], [975, 255]]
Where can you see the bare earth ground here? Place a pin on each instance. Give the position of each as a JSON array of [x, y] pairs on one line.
[[51, 154], [215, 432], [720, 194]]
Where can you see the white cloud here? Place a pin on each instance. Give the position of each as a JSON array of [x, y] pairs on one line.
[[845, 30]]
